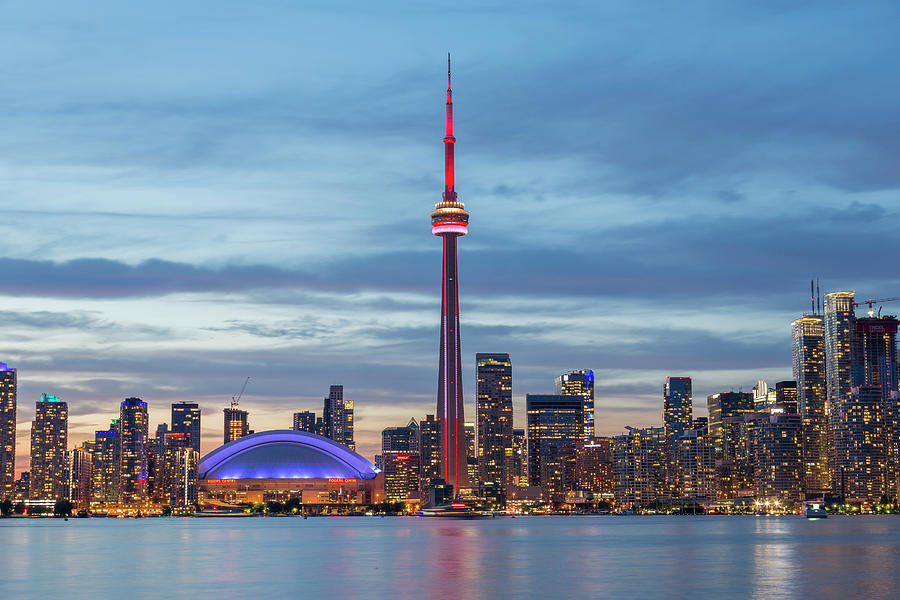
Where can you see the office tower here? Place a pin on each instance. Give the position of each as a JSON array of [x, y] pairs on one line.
[[305, 421], [236, 423], [723, 405], [761, 394], [186, 419], [639, 466], [860, 455], [449, 221], [519, 465], [734, 465], [580, 383], [401, 439], [106, 454], [594, 468], [133, 436], [696, 463], [170, 473], [678, 417], [338, 417], [555, 430], [81, 476], [874, 363], [786, 397], [494, 417], [401, 475], [7, 431], [776, 443], [185, 478], [471, 456], [49, 438], [809, 368], [840, 329], [429, 450]]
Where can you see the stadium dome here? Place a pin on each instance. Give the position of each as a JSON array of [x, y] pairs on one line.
[[285, 454]]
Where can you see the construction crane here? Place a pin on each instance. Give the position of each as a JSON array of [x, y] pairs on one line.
[[873, 301], [236, 399]]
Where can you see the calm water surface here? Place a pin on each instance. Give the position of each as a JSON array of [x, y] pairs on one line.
[[538, 557]]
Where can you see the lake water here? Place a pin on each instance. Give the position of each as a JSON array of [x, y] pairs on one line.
[[536, 557]]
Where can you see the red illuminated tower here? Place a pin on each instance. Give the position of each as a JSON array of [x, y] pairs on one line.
[[449, 221]]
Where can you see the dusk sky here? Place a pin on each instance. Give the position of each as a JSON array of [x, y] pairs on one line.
[[194, 193]]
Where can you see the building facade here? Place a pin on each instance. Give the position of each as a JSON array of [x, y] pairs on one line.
[[8, 388], [678, 417], [237, 423], [133, 436], [338, 417], [186, 420], [809, 368], [555, 434], [49, 439], [580, 383], [494, 417]]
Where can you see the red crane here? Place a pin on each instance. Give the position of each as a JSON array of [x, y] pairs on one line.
[[872, 301]]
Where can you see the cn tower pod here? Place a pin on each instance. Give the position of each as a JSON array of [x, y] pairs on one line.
[[449, 218]]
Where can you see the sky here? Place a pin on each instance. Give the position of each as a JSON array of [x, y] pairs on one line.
[[194, 193]]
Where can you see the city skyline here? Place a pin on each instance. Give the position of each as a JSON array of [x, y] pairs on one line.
[[130, 259]]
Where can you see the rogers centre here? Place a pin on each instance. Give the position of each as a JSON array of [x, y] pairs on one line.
[[285, 464]]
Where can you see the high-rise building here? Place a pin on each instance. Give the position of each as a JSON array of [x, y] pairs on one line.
[[786, 397], [305, 421], [7, 431], [761, 394], [639, 464], [723, 405], [237, 423], [808, 340], [555, 433], [450, 221], [401, 439], [580, 383], [860, 455], [106, 454], [594, 468], [401, 474], [429, 450], [133, 437], [471, 456], [776, 443], [186, 419], [678, 417], [840, 329], [875, 361], [494, 417], [81, 474], [338, 417], [519, 465], [696, 460], [49, 438], [178, 476]]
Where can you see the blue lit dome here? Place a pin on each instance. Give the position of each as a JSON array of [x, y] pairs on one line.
[[285, 454]]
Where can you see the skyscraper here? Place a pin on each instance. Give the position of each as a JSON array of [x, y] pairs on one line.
[[555, 433], [450, 221], [860, 455], [786, 397], [305, 421], [81, 473], [186, 419], [133, 436], [429, 450], [106, 465], [338, 417], [840, 329], [401, 439], [7, 431], [678, 417], [808, 340], [236, 423], [49, 438], [776, 451], [639, 465], [580, 383], [401, 474], [722, 406], [494, 417]]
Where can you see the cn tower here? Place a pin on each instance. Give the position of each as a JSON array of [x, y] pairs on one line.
[[449, 221]]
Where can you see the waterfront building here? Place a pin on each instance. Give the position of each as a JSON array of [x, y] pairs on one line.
[[678, 417], [724, 405], [639, 464], [401, 475], [49, 439], [237, 423], [184, 479], [580, 383], [696, 461], [860, 456], [776, 442], [734, 463], [429, 450], [106, 454], [594, 468], [450, 221], [7, 431], [519, 465], [809, 370], [81, 476], [786, 397], [840, 334], [338, 417], [133, 436], [186, 419], [305, 421], [874, 363], [471, 456], [494, 417], [555, 430]]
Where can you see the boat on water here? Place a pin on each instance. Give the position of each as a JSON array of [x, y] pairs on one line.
[[454, 510], [816, 510]]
